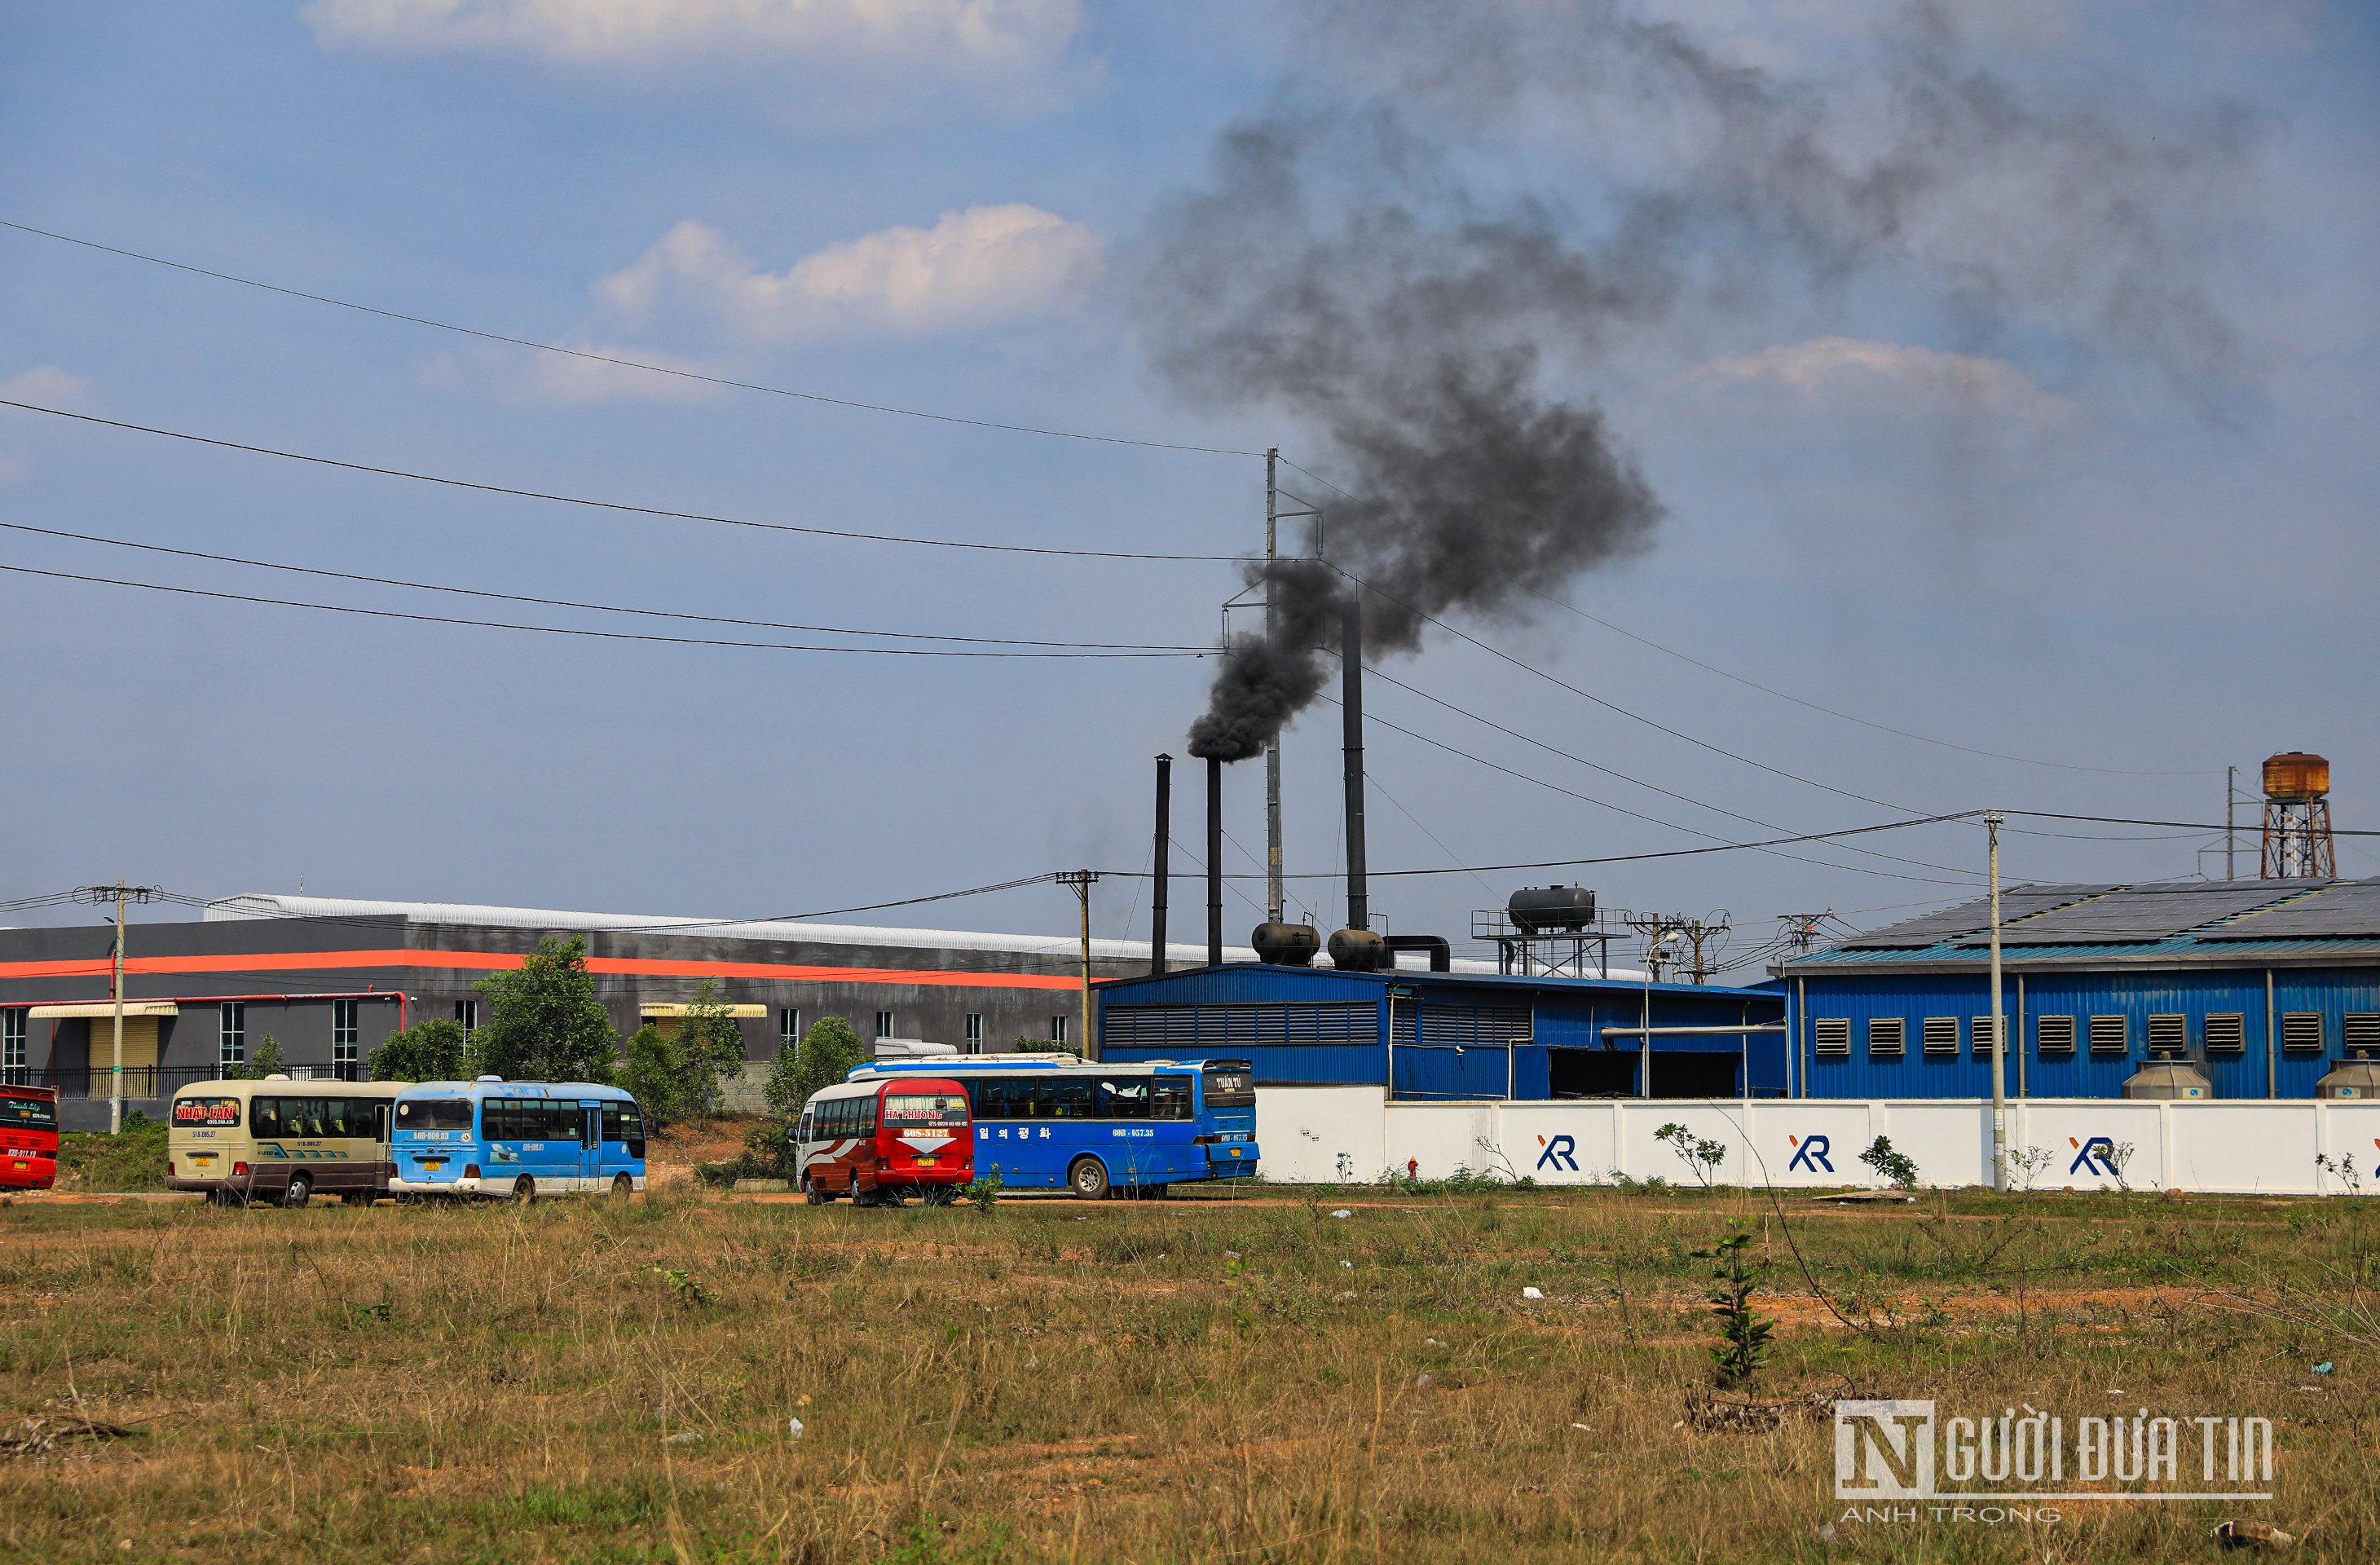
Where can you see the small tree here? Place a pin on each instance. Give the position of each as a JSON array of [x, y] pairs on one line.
[[784, 1091], [828, 1051], [654, 1072], [547, 1023], [427, 1052], [267, 1060], [1701, 1156], [1743, 1334], [1896, 1168], [711, 1047]]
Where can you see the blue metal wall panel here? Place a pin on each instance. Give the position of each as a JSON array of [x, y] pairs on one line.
[[1296, 1064], [2134, 994]]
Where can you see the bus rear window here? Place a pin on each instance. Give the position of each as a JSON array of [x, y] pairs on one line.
[[925, 1108], [205, 1111], [31, 1114], [434, 1113], [1231, 1089]]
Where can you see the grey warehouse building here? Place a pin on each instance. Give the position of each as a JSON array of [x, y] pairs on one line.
[[330, 978]]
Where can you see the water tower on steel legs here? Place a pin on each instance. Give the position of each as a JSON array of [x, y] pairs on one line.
[[2297, 818]]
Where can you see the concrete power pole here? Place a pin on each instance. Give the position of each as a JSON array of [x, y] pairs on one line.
[[1999, 1023], [120, 894], [1080, 881]]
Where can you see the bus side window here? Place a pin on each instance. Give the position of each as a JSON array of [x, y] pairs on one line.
[[264, 1117], [1072, 1099], [632, 1124], [612, 1121], [1124, 1098], [867, 1115], [1171, 1098]]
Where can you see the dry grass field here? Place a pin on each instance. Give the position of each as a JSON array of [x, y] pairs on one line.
[[1250, 1379]]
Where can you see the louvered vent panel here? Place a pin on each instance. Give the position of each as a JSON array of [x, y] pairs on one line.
[[2302, 1032], [2168, 1035], [2054, 1034], [2109, 1035], [1887, 1038], [2226, 1033], [1832, 1036], [1941, 1035], [2363, 1032]]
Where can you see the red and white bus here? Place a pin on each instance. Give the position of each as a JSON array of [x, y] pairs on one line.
[[28, 1137], [880, 1142]]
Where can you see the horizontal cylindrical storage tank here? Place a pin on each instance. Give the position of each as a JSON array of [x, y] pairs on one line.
[[1539, 909]]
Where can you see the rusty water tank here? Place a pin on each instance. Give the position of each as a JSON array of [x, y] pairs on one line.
[[2295, 775], [1538, 910], [1358, 951], [1286, 945], [2168, 1078]]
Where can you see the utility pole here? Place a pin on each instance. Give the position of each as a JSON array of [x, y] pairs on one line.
[[1802, 929], [1080, 881], [2230, 841], [1999, 1023], [99, 895], [1273, 909], [1697, 933]]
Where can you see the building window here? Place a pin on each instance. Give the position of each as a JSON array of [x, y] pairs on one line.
[[2110, 1035], [789, 1025], [974, 1033], [12, 1048], [2226, 1033], [231, 1035], [2053, 1034], [467, 1016], [2302, 1032], [2363, 1032], [884, 1023], [1887, 1038], [2168, 1035], [1941, 1035], [1980, 1030], [1058, 1028], [1833, 1036], [346, 1032]]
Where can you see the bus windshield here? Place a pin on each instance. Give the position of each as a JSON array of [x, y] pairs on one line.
[[28, 1113], [206, 1110], [434, 1113], [939, 1108]]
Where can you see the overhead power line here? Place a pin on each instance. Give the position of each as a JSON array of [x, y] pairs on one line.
[[617, 360], [597, 608], [1786, 696], [564, 630], [619, 505]]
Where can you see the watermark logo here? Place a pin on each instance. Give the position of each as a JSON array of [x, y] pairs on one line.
[[1892, 1456], [1810, 1152], [1561, 1152], [2096, 1156]]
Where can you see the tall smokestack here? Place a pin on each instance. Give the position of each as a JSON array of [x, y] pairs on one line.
[[1351, 648], [1163, 864], [1214, 861]]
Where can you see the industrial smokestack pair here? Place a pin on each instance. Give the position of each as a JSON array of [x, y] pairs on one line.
[[1164, 865], [1357, 947]]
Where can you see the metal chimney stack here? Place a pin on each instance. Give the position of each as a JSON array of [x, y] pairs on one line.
[[1164, 866], [1351, 641], [1214, 862]]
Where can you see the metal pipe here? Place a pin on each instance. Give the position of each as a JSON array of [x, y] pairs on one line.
[[1350, 647], [1214, 862], [1164, 866], [2272, 1043], [1722, 1030]]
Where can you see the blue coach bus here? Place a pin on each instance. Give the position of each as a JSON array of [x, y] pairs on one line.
[[1051, 1121], [516, 1140]]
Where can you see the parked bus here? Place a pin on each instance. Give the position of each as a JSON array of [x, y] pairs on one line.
[[280, 1140], [28, 1137], [516, 1140], [1052, 1122], [882, 1142]]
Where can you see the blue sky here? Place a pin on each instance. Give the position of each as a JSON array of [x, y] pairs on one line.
[[1984, 514]]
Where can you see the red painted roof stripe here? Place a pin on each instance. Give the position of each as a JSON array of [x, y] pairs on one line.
[[482, 961]]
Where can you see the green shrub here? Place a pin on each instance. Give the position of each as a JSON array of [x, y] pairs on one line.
[[427, 1052]]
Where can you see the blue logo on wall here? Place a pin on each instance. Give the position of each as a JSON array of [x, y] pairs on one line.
[[1810, 1152], [1559, 1153], [2096, 1156]]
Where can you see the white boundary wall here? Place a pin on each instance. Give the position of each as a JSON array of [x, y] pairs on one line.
[[1323, 1135]]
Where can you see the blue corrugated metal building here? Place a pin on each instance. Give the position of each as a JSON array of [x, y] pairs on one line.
[[2262, 985], [1447, 1036]]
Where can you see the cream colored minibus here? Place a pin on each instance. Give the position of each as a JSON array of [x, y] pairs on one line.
[[281, 1140]]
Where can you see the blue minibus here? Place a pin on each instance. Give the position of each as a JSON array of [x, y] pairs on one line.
[[1051, 1121], [516, 1140]]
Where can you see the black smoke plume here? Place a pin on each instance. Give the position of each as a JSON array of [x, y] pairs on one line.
[[1349, 269]]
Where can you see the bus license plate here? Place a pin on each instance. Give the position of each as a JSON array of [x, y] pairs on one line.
[[202, 1156], [20, 1168], [928, 1162], [433, 1164]]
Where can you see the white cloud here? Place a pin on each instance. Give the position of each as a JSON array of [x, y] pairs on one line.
[[52, 387], [973, 267], [1850, 374], [998, 34]]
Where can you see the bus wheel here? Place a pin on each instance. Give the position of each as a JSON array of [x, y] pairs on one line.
[[524, 1191], [300, 1191], [812, 1194], [623, 1187], [1090, 1178]]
